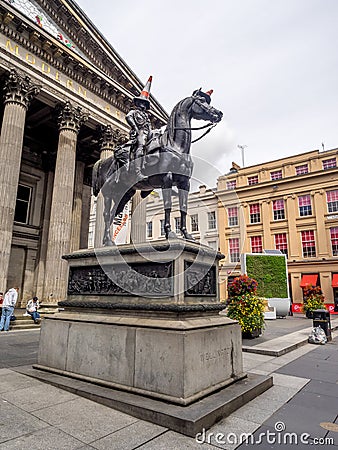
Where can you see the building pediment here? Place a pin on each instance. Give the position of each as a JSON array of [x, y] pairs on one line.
[[58, 32]]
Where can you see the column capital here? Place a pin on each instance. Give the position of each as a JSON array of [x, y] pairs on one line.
[[70, 117], [19, 89], [109, 137]]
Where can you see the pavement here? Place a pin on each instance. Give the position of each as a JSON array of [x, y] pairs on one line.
[[300, 409]]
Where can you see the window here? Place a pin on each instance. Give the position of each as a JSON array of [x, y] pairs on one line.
[[334, 240], [329, 163], [304, 203], [234, 249], [177, 225], [231, 184], [256, 244], [149, 229], [276, 175], [253, 180], [233, 216], [281, 243], [194, 222], [212, 220], [278, 209], [23, 200], [162, 227], [332, 201], [308, 244], [255, 214], [213, 245], [302, 170]]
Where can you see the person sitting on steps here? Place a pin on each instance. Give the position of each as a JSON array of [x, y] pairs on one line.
[[32, 309]]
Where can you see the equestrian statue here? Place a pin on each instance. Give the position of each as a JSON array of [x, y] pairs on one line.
[[153, 159]]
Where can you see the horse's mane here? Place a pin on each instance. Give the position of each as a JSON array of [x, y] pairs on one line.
[[171, 121]]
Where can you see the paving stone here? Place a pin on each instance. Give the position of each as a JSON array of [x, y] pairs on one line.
[[231, 429], [270, 366], [130, 437], [172, 440], [13, 381], [47, 439], [37, 397], [268, 438], [301, 419], [253, 414], [274, 398], [14, 422], [319, 402], [280, 379], [312, 368], [259, 372], [321, 387], [84, 419]]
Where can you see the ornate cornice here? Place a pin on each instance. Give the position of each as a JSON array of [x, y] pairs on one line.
[[70, 117], [66, 64], [18, 89]]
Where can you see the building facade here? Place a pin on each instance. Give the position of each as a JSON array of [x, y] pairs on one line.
[[201, 218], [290, 205], [65, 96]]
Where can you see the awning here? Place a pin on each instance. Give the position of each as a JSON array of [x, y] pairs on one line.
[[335, 280], [309, 279]]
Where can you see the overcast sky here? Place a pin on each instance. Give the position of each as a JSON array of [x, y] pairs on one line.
[[273, 65]]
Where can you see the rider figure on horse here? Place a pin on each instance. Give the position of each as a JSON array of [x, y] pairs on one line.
[[140, 131]]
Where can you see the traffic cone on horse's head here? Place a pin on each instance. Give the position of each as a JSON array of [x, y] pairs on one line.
[[144, 96], [206, 95]]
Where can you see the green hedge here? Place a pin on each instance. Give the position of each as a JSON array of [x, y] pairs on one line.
[[270, 273]]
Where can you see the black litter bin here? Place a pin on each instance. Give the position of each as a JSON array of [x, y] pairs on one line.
[[321, 318]]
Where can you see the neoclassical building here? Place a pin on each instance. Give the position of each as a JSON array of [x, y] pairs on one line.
[[65, 96]]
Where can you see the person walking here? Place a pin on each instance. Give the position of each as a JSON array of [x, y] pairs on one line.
[[32, 309], [8, 305]]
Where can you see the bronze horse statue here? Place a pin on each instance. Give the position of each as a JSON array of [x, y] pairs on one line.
[[167, 163]]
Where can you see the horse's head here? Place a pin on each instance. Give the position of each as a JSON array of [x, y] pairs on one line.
[[201, 109]]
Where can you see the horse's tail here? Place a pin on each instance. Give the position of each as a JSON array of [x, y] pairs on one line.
[[96, 179]]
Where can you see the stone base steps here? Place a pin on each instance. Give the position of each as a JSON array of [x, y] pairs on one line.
[[26, 322]]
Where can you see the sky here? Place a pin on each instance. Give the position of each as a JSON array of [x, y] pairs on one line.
[[273, 66]]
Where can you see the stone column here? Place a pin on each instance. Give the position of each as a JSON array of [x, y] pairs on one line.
[[85, 216], [77, 207], [44, 236], [108, 140], [18, 93], [70, 120], [138, 232]]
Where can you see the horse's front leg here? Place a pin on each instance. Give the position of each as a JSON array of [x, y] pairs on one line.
[[183, 191], [107, 240], [167, 183]]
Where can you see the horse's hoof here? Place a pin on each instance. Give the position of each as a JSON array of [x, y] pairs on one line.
[[109, 243], [171, 235], [187, 235]]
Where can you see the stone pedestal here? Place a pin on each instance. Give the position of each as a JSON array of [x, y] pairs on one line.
[[145, 320]]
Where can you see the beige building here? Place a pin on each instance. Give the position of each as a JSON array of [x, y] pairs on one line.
[[201, 219], [65, 96], [291, 205]]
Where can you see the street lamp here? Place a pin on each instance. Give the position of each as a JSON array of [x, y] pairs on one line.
[[242, 147]]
